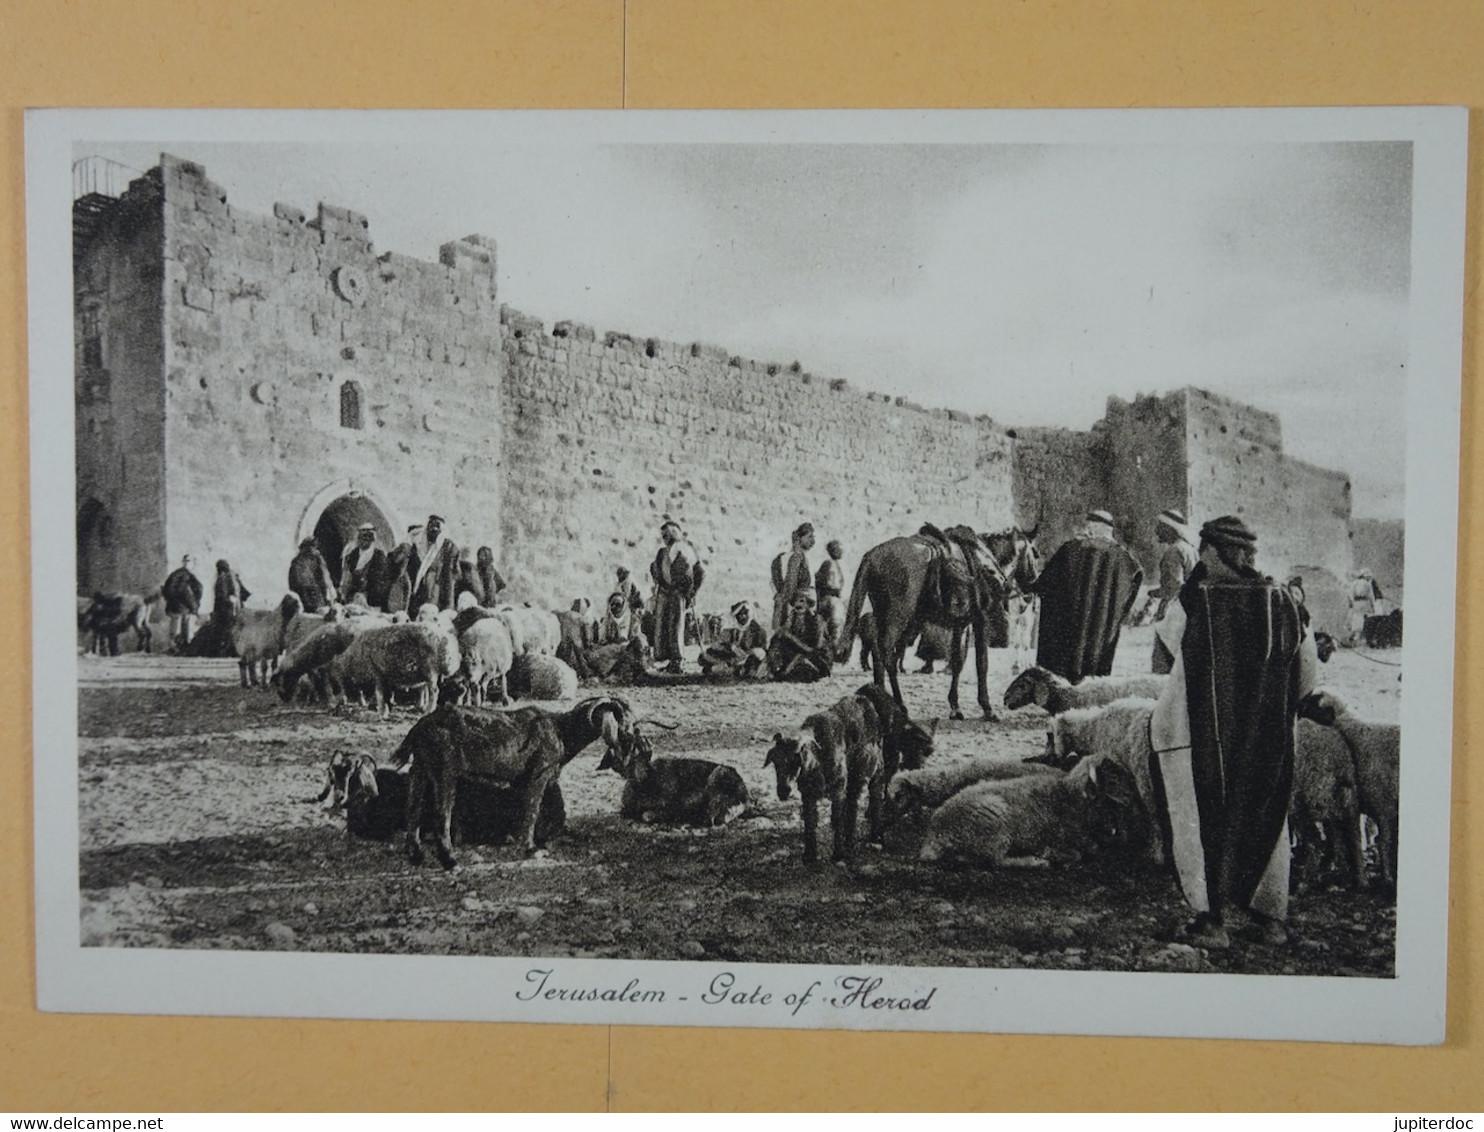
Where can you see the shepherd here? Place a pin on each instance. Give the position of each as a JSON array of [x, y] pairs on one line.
[[1086, 591]]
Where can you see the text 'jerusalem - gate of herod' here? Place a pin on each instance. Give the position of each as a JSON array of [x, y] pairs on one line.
[[246, 381]]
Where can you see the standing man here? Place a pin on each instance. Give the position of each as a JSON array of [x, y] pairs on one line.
[[435, 577], [629, 590], [182, 592], [1364, 593], [829, 585], [1223, 736], [309, 577], [677, 574], [1176, 560], [363, 570], [1086, 592], [794, 578]]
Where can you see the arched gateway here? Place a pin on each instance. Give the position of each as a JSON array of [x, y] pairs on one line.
[[334, 515]]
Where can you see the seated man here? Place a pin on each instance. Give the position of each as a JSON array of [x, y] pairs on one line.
[[743, 648], [800, 650]]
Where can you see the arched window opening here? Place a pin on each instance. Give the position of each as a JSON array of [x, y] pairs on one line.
[[351, 415]]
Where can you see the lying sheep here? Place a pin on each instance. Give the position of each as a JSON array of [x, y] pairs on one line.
[[1118, 731], [257, 637], [1018, 822], [1046, 689], [930, 787], [487, 654], [1375, 749], [392, 658], [534, 676]]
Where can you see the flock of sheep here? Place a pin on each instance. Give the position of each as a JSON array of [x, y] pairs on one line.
[[1092, 783]]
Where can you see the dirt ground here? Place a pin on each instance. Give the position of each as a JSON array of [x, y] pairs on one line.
[[197, 832]]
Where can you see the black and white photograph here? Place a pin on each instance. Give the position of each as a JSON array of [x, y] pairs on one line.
[[846, 570]]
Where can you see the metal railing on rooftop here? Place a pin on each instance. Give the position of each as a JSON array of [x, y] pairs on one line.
[[102, 177]]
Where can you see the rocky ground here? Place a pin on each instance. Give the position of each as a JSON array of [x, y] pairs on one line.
[[197, 832]]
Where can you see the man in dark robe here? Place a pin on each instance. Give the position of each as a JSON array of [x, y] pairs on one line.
[[363, 570], [1223, 736], [309, 577], [182, 592], [1086, 592]]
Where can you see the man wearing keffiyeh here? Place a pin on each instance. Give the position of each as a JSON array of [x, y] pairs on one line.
[[1223, 736]]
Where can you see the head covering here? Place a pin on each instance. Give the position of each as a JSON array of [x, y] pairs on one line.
[[739, 608], [1100, 517], [834, 548], [1174, 521], [188, 559], [305, 544], [365, 527], [412, 530], [668, 524], [1229, 531], [466, 599], [803, 530], [623, 572], [437, 519]]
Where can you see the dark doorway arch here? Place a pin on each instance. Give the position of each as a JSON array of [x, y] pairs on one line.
[[94, 546], [339, 521]]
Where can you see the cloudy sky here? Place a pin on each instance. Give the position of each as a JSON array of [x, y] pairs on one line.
[[1029, 282]]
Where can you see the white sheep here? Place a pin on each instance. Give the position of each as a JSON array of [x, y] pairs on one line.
[[1039, 686], [933, 785], [1375, 749], [1017, 821], [487, 653], [257, 637], [535, 676], [532, 630], [394, 658], [1324, 816], [1118, 731], [311, 655]]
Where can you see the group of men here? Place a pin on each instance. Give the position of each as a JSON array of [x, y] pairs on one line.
[[426, 568], [1240, 657]]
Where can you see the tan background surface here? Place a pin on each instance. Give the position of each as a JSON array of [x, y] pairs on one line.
[[680, 53]]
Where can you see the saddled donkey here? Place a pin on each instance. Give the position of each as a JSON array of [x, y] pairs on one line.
[[924, 579]]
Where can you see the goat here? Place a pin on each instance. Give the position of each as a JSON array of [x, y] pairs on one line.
[[904, 744], [1037, 685], [1019, 821], [683, 791], [524, 749], [836, 755], [1375, 749], [389, 658], [107, 616], [375, 804]]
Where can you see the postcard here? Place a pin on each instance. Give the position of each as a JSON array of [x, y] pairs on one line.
[[840, 570]]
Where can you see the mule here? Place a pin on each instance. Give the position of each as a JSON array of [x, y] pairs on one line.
[[896, 576]]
